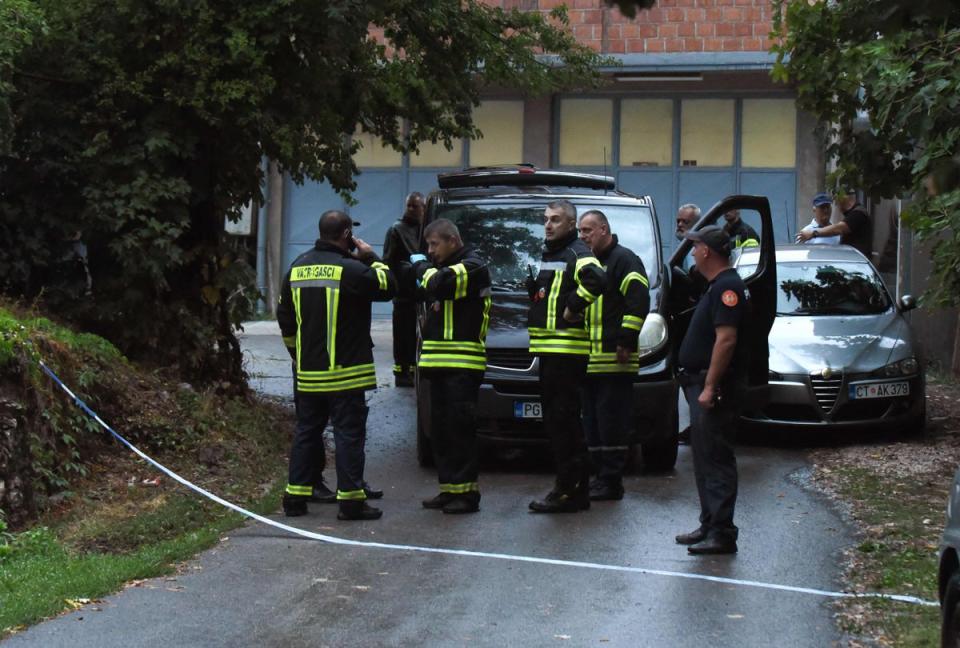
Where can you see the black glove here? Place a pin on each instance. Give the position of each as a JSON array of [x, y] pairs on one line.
[[531, 283]]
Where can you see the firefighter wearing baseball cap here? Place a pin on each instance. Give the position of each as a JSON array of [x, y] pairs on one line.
[[456, 288], [570, 279], [614, 320], [324, 317]]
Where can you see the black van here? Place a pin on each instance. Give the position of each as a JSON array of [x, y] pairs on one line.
[[499, 211]]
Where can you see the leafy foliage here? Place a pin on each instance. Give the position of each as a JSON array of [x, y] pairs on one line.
[[883, 76], [19, 22], [143, 125]]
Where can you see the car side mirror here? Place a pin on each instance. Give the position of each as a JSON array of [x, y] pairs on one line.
[[907, 303]]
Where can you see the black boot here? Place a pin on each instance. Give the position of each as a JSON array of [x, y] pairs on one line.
[[439, 501], [697, 535], [322, 494], [603, 490], [557, 502], [294, 505], [371, 492], [713, 545], [358, 510], [469, 503]]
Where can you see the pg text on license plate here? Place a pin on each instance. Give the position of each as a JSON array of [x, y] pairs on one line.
[[527, 410], [879, 390]]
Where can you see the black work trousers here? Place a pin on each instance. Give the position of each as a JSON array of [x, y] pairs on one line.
[[453, 426], [316, 426], [561, 378], [712, 434], [348, 413], [607, 402], [404, 335]]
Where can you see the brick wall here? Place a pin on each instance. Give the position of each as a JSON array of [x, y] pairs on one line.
[[671, 26]]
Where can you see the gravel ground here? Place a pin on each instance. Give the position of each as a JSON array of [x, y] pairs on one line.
[[894, 492]]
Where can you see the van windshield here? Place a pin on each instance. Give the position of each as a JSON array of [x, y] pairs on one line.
[[510, 237]]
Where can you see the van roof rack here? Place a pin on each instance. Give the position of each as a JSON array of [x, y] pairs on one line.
[[522, 175]]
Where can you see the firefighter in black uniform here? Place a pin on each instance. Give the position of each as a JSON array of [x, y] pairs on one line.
[[570, 279], [324, 316], [614, 321], [712, 371], [741, 235], [403, 239], [456, 288]]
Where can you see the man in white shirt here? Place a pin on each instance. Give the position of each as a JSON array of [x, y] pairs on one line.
[[822, 208]]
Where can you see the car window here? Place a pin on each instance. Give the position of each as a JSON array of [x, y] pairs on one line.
[[827, 288], [510, 237]]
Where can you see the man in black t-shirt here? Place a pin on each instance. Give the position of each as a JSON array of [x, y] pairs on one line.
[[712, 370], [854, 229]]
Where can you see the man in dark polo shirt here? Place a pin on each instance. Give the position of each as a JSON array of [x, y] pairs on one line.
[[712, 371], [854, 229]]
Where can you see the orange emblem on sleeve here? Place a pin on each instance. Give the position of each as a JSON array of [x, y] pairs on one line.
[[729, 298]]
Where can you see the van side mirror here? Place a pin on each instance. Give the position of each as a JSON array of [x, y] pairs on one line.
[[907, 303]]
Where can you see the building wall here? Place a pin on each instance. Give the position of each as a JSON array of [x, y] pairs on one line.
[[685, 60], [671, 26]]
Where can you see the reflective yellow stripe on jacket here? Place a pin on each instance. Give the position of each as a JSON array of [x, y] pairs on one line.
[[337, 379], [607, 363], [562, 341], [632, 276]]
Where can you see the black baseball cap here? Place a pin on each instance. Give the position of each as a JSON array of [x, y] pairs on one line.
[[714, 237]]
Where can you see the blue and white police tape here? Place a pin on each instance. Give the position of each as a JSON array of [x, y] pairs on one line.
[[473, 554]]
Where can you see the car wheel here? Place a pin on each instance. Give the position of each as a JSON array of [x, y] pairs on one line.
[[424, 446], [950, 613], [917, 425], [661, 455]]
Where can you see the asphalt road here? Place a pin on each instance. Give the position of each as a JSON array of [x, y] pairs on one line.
[[262, 587]]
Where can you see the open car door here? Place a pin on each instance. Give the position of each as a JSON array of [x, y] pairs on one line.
[[686, 286]]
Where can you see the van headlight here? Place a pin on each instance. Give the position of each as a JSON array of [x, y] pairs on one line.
[[653, 335]]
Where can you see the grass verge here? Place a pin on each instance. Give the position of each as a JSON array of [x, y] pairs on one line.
[[896, 494], [89, 515], [900, 527], [44, 573]]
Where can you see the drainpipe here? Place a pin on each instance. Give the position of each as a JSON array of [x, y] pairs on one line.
[[900, 273], [262, 247], [274, 235]]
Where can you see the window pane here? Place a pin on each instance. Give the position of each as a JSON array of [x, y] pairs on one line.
[[586, 130], [769, 133], [706, 132], [501, 123], [437, 155], [646, 132], [374, 154]]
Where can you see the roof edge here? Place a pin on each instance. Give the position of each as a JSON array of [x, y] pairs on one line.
[[691, 62]]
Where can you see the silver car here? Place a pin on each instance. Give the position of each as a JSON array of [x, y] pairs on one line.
[[841, 352]]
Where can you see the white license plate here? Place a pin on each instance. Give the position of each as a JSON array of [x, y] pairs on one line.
[[879, 390], [527, 410]]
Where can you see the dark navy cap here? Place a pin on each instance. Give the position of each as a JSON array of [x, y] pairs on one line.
[[822, 199], [714, 237]]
